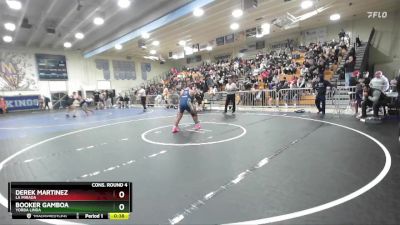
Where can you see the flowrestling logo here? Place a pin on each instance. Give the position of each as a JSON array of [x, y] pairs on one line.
[[377, 15]]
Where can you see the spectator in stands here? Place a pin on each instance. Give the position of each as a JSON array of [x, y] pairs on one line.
[[358, 41], [386, 86], [353, 79], [378, 82], [393, 84], [372, 97], [275, 81], [231, 89], [321, 87], [301, 82], [349, 66], [283, 84], [304, 71], [3, 105]]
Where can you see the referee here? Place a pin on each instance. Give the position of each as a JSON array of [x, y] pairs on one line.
[[142, 95], [230, 88]]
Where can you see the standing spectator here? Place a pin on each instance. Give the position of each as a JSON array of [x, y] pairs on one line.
[[112, 96], [358, 97], [166, 96], [3, 106], [321, 87], [120, 101], [126, 101], [96, 96], [41, 102], [349, 66], [108, 99], [102, 99], [142, 94], [46, 103], [230, 88]]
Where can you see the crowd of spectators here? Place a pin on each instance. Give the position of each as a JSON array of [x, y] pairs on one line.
[[277, 69]]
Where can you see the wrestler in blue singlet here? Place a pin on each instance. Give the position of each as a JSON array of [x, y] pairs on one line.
[[185, 102]]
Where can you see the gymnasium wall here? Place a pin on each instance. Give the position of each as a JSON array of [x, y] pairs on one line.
[[83, 74]]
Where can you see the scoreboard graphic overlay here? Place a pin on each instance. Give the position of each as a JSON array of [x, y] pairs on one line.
[[70, 200]]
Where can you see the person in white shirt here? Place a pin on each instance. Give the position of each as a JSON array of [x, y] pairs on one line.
[[166, 96], [142, 95], [386, 85], [230, 88], [378, 82], [301, 82]]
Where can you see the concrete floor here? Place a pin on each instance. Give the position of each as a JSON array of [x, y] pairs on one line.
[[241, 167]]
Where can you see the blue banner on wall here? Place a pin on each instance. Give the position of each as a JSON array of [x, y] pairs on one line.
[[124, 70], [28, 102], [51, 67], [145, 67], [103, 64]]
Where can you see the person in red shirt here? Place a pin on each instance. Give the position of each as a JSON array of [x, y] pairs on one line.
[[3, 105]]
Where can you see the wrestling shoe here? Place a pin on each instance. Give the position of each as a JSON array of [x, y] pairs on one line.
[[197, 126], [175, 129]]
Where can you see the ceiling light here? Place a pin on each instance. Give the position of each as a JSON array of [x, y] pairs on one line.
[[182, 43], [198, 12], [145, 35], [9, 26], [209, 48], [188, 50], [124, 3], [266, 27], [7, 39], [234, 26], [79, 35], [13, 4], [118, 46], [334, 17], [153, 52], [237, 13], [67, 45], [155, 43], [98, 21], [306, 4]]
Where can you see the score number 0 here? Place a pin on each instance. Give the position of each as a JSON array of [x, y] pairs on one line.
[[121, 194]]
